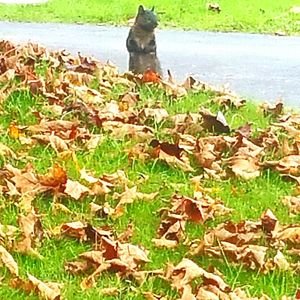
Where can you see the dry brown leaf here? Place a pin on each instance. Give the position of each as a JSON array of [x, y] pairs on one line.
[[76, 267], [281, 262], [46, 290], [55, 178], [57, 143], [94, 141], [74, 229], [213, 7], [7, 260], [244, 165], [187, 270], [214, 123], [119, 130], [293, 203], [289, 165], [32, 234], [172, 88], [112, 291], [274, 110], [152, 296], [170, 231], [90, 281], [229, 101], [158, 114], [289, 234], [8, 234], [183, 163], [130, 195], [269, 221], [76, 190], [199, 209], [5, 151]]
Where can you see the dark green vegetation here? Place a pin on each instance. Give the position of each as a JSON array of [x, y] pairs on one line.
[[246, 15]]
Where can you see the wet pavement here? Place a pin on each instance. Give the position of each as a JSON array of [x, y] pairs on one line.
[[260, 67]]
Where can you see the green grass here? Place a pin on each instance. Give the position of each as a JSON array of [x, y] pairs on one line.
[[265, 16], [248, 199]]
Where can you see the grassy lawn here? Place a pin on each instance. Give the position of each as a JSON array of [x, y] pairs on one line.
[[42, 90], [265, 16]]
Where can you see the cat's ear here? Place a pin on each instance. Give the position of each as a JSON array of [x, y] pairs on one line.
[[152, 9], [141, 9]]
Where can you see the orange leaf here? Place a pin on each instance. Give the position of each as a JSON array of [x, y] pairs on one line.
[[150, 76], [14, 131]]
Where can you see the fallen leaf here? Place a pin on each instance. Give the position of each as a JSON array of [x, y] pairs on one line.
[[214, 123], [7, 260], [75, 189], [213, 7]]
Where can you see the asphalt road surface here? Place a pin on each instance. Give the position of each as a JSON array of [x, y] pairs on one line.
[[260, 67]]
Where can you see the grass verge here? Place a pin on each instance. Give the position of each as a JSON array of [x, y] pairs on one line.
[[247, 16], [22, 105]]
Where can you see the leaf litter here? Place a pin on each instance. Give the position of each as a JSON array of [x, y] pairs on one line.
[[82, 111]]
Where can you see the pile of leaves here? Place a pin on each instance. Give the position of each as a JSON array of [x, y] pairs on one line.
[[81, 102]]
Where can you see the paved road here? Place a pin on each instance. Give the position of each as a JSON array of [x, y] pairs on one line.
[[261, 67]]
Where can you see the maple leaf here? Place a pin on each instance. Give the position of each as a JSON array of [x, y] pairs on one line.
[[187, 270], [25, 183], [126, 235], [84, 232], [7, 260], [98, 186], [197, 209], [150, 76], [76, 267], [138, 152], [46, 290], [269, 221], [239, 234], [170, 231], [187, 123], [244, 165], [130, 195], [55, 178], [94, 141], [75, 189], [60, 128], [5, 151], [58, 144], [152, 296], [288, 166], [288, 234], [172, 88], [90, 281], [110, 255], [229, 100], [158, 114], [32, 234], [281, 262], [113, 291], [171, 158], [8, 233], [121, 130], [214, 123], [245, 162], [293, 203], [274, 110], [75, 229]]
